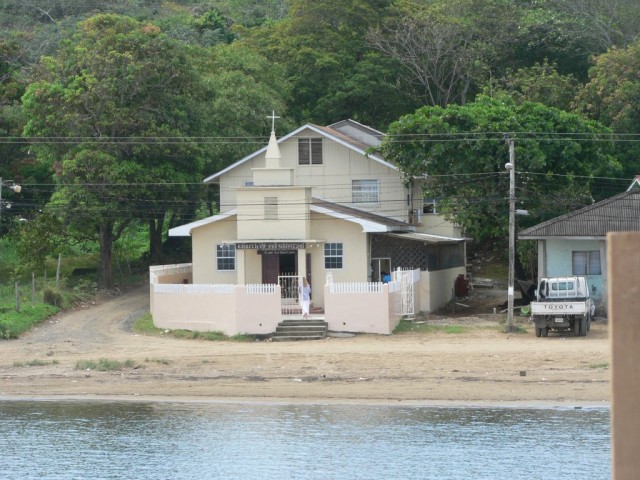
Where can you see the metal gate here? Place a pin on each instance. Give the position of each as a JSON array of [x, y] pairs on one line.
[[406, 280], [289, 294]]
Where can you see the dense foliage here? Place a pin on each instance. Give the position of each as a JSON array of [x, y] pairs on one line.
[[111, 112]]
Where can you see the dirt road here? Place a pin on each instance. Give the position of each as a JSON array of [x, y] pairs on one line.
[[480, 365]]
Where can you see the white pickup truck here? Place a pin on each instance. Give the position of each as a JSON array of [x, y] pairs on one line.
[[562, 303]]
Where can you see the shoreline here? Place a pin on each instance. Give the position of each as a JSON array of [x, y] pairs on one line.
[[272, 401]]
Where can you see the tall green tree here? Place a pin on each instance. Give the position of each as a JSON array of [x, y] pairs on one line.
[[115, 112], [462, 152], [612, 96], [329, 66]]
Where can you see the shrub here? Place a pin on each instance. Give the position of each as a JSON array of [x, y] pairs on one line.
[[52, 296]]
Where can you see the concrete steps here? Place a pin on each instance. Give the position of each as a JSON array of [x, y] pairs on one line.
[[294, 330]]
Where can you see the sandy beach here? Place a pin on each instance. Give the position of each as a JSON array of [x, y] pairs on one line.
[[481, 365]]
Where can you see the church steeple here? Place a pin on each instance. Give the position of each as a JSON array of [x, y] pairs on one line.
[[273, 173], [272, 156]]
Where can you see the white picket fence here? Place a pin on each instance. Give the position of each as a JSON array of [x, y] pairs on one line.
[[355, 287]]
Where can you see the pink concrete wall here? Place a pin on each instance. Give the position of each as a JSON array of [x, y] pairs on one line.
[[196, 312], [258, 313], [229, 313], [358, 312]]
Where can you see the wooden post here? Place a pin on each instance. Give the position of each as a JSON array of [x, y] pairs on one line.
[[58, 271], [33, 287], [17, 298], [623, 257]]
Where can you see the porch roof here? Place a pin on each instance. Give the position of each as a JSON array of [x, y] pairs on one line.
[[370, 222], [426, 238], [185, 230]]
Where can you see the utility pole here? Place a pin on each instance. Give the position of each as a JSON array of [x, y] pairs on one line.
[[511, 168]]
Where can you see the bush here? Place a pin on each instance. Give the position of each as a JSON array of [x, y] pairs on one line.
[[52, 296]]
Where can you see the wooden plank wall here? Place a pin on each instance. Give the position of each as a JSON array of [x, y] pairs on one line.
[[623, 255]]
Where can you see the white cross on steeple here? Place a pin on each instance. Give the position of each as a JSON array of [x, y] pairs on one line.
[[273, 120]]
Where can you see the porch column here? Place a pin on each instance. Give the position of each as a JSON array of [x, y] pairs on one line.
[[240, 267], [302, 262]]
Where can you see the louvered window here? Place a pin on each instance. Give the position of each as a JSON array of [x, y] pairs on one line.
[[271, 208], [310, 151], [364, 191]]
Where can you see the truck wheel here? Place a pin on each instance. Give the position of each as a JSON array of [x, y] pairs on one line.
[[576, 327], [583, 326], [538, 332], [545, 331], [588, 323]]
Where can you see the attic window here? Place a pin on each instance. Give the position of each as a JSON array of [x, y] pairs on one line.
[[310, 151]]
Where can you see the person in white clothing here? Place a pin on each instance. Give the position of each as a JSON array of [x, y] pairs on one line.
[[304, 294]]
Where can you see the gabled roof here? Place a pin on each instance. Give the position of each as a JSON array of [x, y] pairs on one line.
[[370, 222], [328, 132], [616, 214]]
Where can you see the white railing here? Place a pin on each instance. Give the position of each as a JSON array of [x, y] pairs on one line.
[[261, 289], [194, 288], [355, 287]]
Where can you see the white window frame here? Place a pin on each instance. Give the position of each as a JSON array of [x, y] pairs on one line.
[[589, 262], [333, 252], [430, 206], [226, 257], [365, 191], [310, 151]]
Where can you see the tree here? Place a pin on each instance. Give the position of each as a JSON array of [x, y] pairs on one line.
[[321, 43], [461, 150], [612, 96], [446, 47], [540, 83], [126, 100]]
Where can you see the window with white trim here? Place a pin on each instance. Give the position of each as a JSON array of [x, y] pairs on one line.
[[333, 255], [587, 263], [226, 257], [310, 151], [271, 208], [429, 205], [364, 191]]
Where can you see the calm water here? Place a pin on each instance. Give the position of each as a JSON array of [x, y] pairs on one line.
[[94, 440]]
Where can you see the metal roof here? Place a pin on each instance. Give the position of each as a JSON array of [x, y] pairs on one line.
[[426, 237], [616, 214]]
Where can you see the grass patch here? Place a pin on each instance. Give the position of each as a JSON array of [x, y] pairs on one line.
[[34, 363], [104, 365], [162, 361], [602, 366], [409, 326], [514, 329], [13, 324], [145, 325]]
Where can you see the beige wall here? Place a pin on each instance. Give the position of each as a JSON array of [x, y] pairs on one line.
[[355, 259], [331, 181], [293, 213], [436, 288], [204, 242], [435, 224]]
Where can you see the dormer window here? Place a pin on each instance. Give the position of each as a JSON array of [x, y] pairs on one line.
[[310, 151]]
